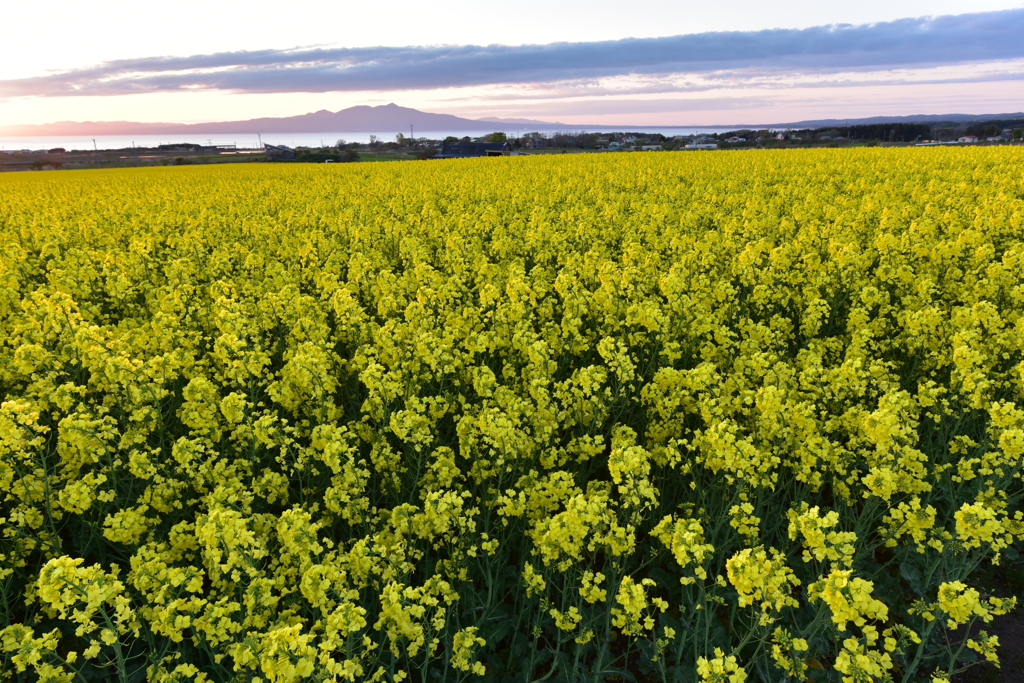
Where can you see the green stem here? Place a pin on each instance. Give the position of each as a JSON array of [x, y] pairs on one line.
[[909, 673]]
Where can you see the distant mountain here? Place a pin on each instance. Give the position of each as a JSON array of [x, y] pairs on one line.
[[918, 118], [360, 119], [389, 118], [524, 122]]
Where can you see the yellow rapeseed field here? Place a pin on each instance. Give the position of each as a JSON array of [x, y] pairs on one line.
[[716, 417]]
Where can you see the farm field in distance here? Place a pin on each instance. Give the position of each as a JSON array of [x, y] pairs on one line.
[[121, 158], [742, 416]]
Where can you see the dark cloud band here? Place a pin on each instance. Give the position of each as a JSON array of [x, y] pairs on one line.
[[904, 43]]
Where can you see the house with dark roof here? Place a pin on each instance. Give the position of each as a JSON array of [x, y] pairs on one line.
[[278, 152], [464, 150]]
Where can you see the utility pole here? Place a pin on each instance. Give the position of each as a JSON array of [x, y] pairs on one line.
[[411, 136], [261, 140], [96, 153]]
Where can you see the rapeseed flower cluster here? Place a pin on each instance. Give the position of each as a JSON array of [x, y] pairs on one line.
[[661, 417]]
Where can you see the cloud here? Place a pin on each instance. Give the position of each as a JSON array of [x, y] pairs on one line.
[[748, 79], [906, 43]]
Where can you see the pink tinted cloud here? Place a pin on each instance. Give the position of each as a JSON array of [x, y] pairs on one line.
[[977, 37]]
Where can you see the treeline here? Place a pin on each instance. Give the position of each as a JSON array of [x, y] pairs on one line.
[[569, 139], [889, 132], [319, 156], [869, 134], [176, 147], [880, 132], [990, 128]]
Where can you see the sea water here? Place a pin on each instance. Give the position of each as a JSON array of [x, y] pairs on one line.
[[329, 139]]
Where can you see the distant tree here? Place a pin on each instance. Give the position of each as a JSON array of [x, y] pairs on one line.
[[341, 144], [449, 139], [309, 156], [374, 142], [497, 136], [400, 140], [945, 132], [426, 152], [984, 130], [1017, 133], [191, 146], [889, 132]]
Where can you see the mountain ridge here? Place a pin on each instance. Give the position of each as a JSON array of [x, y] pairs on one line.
[[392, 117], [913, 118], [357, 119]]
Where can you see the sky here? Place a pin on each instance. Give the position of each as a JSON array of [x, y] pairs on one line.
[[647, 62]]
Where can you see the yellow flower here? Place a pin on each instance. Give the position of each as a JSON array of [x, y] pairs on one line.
[[464, 644], [860, 664], [819, 542], [628, 613], [566, 621], [533, 581], [720, 669], [590, 588], [787, 652], [685, 540], [849, 598], [961, 604], [762, 577], [742, 519], [978, 524], [986, 646], [910, 518]]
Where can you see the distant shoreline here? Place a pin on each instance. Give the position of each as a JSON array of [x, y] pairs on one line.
[[388, 120], [385, 133], [244, 140]]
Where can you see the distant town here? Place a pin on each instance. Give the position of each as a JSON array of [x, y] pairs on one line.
[[404, 147]]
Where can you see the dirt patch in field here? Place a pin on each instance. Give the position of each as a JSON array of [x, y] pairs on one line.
[[1006, 579]]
